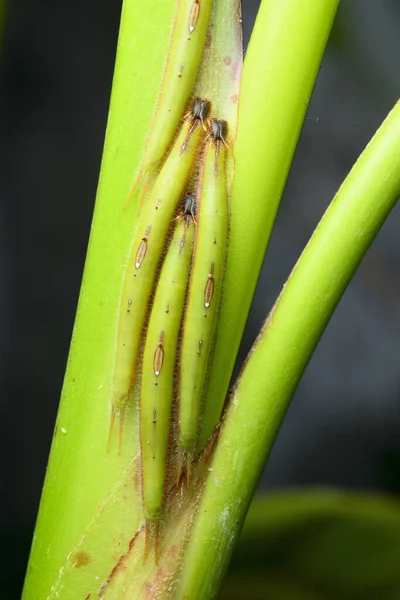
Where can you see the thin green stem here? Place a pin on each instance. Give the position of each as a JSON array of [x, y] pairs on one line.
[[279, 73], [282, 351]]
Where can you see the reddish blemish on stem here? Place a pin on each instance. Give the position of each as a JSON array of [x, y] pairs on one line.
[[237, 70]]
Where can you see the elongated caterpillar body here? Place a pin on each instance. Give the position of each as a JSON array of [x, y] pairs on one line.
[[204, 288], [186, 49], [145, 254], [159, 361]]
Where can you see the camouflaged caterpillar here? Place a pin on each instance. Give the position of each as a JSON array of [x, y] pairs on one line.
[[145, 254], [159, 362], [204, 289]]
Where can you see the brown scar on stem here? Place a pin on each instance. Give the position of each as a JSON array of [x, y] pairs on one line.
[[208, 450], [120, 564]]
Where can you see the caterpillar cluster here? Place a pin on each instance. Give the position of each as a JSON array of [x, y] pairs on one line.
[[172, 287]]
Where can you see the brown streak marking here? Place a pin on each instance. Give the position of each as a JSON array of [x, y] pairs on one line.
[[120, 565]]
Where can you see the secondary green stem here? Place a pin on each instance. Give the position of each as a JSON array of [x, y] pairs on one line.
[[279, 73], [282, 351]]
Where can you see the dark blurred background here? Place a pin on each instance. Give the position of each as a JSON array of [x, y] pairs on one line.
[[56, 65]]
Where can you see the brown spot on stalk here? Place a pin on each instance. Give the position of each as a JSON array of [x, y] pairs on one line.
[[81, 559]]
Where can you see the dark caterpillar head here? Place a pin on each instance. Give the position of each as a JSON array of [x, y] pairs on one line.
[[219, 130], [200, 110], [190, 208], [190, 204]]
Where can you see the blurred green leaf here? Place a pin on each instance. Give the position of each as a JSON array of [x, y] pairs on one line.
[[317, 546]]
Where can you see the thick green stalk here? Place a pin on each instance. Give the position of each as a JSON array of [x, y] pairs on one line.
[[282, 351], [69, 556], [279, 73]]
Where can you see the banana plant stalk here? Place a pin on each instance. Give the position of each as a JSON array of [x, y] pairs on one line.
[[89, 540]]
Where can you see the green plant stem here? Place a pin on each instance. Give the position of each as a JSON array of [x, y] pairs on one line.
[[282, 351], [279, 73], [81, 474]]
